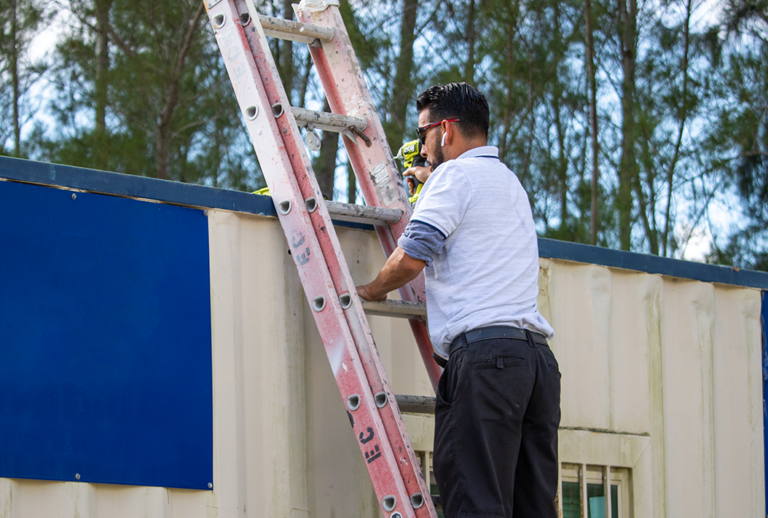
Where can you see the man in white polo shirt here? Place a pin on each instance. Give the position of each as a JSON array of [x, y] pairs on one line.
[[472, 232]]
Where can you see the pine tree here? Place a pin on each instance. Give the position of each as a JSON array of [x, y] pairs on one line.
[[737, 143], [157, 92], [20, 22]]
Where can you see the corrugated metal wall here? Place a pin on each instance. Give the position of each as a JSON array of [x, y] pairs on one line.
[[672, 359], [660, 375]]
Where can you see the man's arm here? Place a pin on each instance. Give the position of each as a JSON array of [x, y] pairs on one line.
[[399, 269]]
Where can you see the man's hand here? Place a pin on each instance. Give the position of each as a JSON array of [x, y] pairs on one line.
[[362, 291], [420, 173], [399, 269]]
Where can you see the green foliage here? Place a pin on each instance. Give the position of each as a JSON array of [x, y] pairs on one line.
[[681, 103], [158, 94], [736, 143]]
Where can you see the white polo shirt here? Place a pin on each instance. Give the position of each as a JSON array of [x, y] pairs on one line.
[[487, 274]]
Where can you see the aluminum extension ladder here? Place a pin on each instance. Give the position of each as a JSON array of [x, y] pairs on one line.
[[273, 126]]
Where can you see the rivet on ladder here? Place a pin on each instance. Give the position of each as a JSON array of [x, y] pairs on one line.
[[389, 502], [284, 207], [346, 300], [251, 112], [219, 20], [353, 403], [277, 109], [395, 515], [417, 500], [311, 204], [381, 399], [318, 303], [245, 19]]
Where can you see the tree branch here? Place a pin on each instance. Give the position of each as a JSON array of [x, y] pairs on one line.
[[132, 53], [683, 117], [188, 40]]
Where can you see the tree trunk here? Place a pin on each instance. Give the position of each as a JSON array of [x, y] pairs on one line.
[[469, 66], [325, 164], [512, 11], [628, 165], [593, 120], [286, 54], [562, 166], [101, 151], [648, 207], [351, 184], [531, 125], [507, 117], [161, 141], [403, 87], [172, 97], [683, 115], [304, 82], [562, 156], [643, 206], [15, 47]]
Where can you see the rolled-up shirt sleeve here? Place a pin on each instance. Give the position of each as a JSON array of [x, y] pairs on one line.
[[422, 241]]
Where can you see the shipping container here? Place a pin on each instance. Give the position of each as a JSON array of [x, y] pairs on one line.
[[158, 358]]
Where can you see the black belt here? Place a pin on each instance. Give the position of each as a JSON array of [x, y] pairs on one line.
[[492, 332]]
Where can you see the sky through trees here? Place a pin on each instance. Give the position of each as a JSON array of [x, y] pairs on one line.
[[633, 124]]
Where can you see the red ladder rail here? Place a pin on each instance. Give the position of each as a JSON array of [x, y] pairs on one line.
[[342, 78], [362, 382]]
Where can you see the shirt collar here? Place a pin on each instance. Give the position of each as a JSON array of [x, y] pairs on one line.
[[481, 151]]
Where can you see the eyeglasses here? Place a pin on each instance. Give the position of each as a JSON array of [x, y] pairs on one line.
[[422, 130]]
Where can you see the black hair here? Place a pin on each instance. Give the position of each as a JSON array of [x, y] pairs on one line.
[[457, 101]]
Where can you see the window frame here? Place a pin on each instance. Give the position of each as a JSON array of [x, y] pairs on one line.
[[596, 474]]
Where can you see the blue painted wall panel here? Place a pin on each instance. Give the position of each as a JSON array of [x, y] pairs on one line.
[[105, 340]]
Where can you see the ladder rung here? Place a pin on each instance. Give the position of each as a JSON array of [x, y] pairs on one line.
[[295, 31], [363, 213], [396, 308], [416, 404], [328, 121], [361, 378]]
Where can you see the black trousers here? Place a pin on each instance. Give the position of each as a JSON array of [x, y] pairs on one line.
[[496, 420]]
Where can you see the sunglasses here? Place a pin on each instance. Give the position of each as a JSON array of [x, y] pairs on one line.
[[422, 130]]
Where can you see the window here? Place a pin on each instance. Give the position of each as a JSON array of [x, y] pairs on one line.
[[601, 491], [583, 486]]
